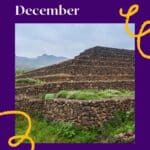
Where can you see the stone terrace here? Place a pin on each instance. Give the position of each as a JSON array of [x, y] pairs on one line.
[[96, 68], [79, 112]]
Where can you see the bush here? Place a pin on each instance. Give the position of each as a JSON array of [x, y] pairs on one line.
[[54, 132], [72, 94], [84, 95], [109, 93], [62, 94], [92, 94], [28, 81], [49, 96], [19, 72], [122, 122]]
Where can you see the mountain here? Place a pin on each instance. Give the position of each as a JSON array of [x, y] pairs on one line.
[[25, 63]]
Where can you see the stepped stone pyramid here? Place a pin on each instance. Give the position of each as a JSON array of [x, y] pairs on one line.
[[96, 68]]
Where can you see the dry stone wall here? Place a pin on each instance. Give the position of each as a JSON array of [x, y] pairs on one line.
[[95, 68], [57, 86], [100, 62], [82, 70], [80, 112], [56, 78]]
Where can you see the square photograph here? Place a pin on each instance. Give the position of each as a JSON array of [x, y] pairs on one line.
[[76, 81]]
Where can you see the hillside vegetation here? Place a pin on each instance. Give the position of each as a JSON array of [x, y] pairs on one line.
[[61, 132], [88, 94]]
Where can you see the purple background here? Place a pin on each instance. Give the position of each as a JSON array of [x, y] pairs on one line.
[[95, 11]]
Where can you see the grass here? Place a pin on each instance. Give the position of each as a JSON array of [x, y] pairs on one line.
[[88, 94], [22, 71], [54, 132], [123, 122], [28, 81], [60, 132], [49, 96], [19, 72]]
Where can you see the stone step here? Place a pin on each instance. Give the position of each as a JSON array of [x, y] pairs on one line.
[[80, 112], [67, 77], [57, 86], [96, 62], [80, 70], [107, 57], [57, 77]]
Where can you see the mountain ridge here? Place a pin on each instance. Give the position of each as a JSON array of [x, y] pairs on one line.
[[26, 63]]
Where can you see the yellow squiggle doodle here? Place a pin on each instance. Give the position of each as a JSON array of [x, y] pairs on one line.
[[132, 11], [18, 139]]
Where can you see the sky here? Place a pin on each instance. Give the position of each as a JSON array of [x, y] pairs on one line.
[[68, 40]]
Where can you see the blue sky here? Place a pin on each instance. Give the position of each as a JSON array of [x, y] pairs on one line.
[[69, 39]]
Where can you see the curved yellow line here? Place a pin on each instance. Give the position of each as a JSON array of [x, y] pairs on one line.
[[19, 139], [146, 56], [132, 11]]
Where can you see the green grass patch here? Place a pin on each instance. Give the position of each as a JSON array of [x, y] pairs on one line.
[[49, 96], [123, 122], [54, 132], [60, 132], [90, 94], [28, 81], [19, 72]]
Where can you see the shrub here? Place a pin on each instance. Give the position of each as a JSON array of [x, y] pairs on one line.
[[72, 94], [54, 132], [49, 96], [19, 72], [122, 122], [86, 95], [92, 94], [62, 94], [28, 81], [109, 93]]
